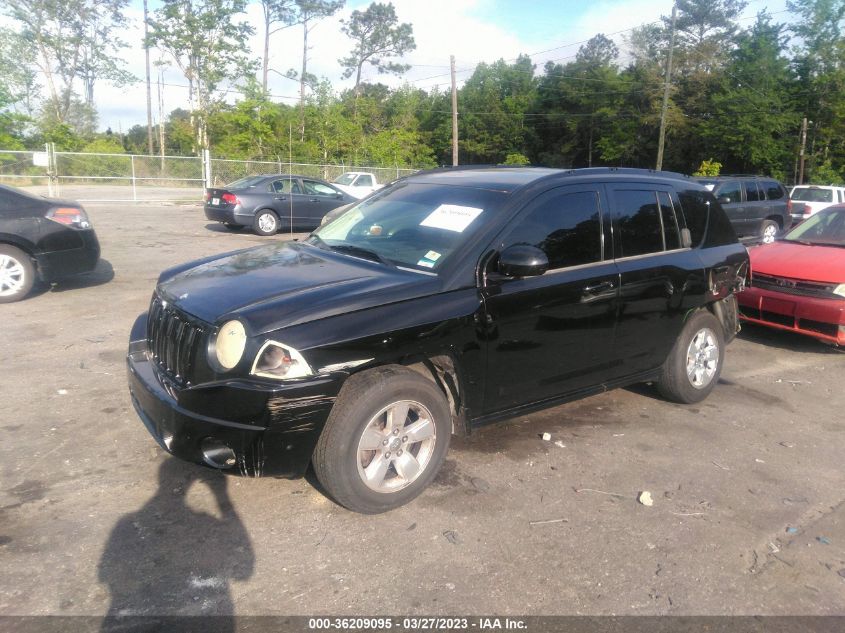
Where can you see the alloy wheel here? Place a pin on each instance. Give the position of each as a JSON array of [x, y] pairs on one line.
[[12, 276], [396, 446], [702, 358]]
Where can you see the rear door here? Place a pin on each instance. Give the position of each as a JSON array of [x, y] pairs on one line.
[[729, 194], [654, 270], [552, 334], [757, 208]]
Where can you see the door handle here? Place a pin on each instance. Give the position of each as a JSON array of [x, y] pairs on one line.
[[315, 200], [598, 288], [281, 197]]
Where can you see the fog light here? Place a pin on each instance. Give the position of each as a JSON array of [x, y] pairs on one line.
[[215, 453]]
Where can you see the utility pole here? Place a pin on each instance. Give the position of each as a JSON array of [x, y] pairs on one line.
[[662, 138], [149, 92], [801, 151], [454, 114]]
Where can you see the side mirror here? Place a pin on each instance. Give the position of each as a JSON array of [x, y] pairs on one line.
[[723, 200], [522, 260], [338, 195]]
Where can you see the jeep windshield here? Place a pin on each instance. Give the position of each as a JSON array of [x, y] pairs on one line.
[[412, 225]]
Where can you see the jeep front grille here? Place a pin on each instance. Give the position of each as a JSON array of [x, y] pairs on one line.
[[173, 339]]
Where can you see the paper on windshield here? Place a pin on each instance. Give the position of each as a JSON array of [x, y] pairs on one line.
[[452, 217]]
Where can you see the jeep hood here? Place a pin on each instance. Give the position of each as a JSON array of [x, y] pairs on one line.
[[286, 284]]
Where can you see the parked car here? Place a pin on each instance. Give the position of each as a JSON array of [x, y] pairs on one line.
[[357, 184], [798, 283], [42, 238], [809, 199], [756, 206], [450, 299], [272, 202]]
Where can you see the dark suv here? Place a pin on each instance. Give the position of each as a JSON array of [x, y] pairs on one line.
[[448, 300], [756, 206]]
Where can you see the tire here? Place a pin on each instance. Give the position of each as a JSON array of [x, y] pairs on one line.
[[396, 469], [233, 227], [17, 274], [769, 231], [266, 222], [687, 378]]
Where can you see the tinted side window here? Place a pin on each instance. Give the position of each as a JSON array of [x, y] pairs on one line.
[[284, 186], [565, 226], [706, 220], [752, 194], [696, 209], [730, 190], [640, 227], [364, 181], [773, 190], [670, 222]]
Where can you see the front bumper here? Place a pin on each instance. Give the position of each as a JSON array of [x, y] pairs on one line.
[[272, 429], [823, 319]]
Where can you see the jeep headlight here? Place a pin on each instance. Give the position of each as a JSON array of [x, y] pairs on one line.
[[839, 290], [229, 344], [275, 360]]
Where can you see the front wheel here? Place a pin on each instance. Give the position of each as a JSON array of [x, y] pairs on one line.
[[17, 274], [695, 362], [384, 441], [769, 231], [266, 222]]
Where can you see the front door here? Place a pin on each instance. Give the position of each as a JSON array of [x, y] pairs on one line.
[[552, 334]]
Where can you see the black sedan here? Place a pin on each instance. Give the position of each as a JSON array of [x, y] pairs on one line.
[[272, 202], [43, 238]]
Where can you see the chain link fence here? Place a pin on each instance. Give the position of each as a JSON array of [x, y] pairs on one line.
[[95, 177], [23, 169]]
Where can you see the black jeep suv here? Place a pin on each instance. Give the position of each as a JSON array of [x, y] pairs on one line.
[[756, 206], [448, 300]]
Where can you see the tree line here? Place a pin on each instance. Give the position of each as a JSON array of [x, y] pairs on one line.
[[739, 90]]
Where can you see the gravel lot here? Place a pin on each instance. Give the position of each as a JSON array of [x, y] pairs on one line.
[[748, 486]]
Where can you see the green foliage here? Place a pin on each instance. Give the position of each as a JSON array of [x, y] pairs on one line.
[[207, 45], [708, 167], [517, 160], [378, 36], [825, 174]]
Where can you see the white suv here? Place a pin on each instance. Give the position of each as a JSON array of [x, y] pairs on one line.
[[812, 199]]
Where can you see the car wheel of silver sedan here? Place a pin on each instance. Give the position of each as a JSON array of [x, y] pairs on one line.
[[17, 274], [384, 441]]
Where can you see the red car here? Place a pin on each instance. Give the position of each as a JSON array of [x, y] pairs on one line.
[[798, 282]]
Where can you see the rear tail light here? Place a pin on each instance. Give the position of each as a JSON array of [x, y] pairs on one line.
[[789, 206], [230, 198], [206, 196], [69, 216]]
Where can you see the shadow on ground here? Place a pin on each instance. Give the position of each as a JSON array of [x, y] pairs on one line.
[[168, 559]]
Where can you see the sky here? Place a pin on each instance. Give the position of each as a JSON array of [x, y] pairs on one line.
[[473, 31]]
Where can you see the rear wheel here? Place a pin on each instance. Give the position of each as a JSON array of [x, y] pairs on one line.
[[17, 274], [769, 231], [266, 222], [695, 362], [384, 441]]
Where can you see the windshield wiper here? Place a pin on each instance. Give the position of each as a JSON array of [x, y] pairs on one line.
[[359, 251], [317, 241]]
